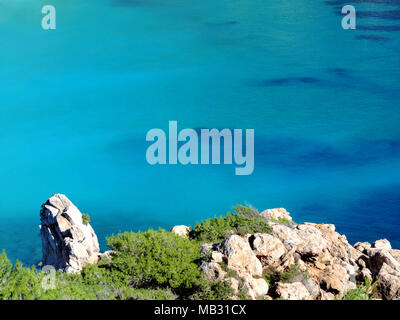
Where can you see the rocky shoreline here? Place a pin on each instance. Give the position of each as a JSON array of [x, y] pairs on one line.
[[292, 261]]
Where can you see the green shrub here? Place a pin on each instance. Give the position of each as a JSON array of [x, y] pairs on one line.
[[243, 221], [17, 283], [284, 221], [211, 290], [85, 218], [128, 293], [156, 259], [147, 265], [242, 294], [365, 291]]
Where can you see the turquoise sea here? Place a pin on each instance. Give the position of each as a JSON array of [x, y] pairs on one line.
[[76, 104]]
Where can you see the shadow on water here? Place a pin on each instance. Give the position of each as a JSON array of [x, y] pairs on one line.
[[287, 81], [298, 154]]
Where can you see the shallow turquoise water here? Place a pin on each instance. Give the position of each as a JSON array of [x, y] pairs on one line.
[[76, 104]]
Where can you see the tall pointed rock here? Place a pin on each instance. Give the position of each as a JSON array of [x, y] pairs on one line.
[[68, 242]]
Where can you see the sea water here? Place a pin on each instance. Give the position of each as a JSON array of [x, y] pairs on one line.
[[76, 103]]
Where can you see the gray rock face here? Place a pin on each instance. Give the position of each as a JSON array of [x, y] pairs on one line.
[[67, 242]]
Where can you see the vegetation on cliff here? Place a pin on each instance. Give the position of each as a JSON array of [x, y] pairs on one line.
[[157, 264], [243, 221], [146, 265]]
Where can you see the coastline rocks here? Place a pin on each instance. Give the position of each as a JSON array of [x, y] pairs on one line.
[[67, 242], [294, 262], [318, 262], [181, 230]]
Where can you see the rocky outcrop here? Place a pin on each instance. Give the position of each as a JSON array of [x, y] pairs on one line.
[[276, 214], [240, 257], [384, 266], [267, 248], [304, 261], [181, 230], [68, 243], [382, 244], [293, 261], [388, 283]]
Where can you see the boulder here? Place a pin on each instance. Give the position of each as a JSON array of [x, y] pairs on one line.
[[379, 257], [217, 256], [267, 248], [255, 288], [287, 235], [326, 295], [388, 283], [181, 230], [67, 242], [292, 291], [312, 244], [276, 214], [333, 279], [240, 257], [362, 246], [382, 244], [395, 254]]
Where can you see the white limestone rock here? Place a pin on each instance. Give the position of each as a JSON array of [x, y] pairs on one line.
[[67, 242]]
